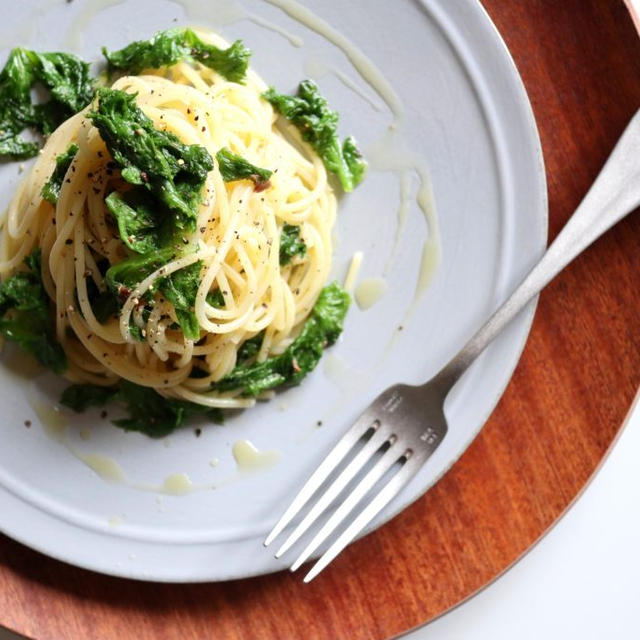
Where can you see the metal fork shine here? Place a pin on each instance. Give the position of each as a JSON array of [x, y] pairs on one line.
[[406, 424]]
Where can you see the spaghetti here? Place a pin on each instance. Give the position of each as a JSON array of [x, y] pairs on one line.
[[237, 240]]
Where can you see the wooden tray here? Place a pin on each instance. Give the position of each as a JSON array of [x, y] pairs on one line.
[[580, 62]]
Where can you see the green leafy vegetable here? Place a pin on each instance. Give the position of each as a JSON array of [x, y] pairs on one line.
[[16, 110], [168, 177], [153, 160], [291, 244], [136, 331], [235, 167], [168, 47], [51, 189], [137, 220], [180, 289], [104, 306], [149, 412], [67, 78], [250, 348], [155, 415], [125, 275], [70, 89], [81, 397], [216, 299], [103, 303], [26, 318], [321, 330], [311, 114]]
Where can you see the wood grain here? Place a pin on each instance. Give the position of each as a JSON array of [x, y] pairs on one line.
[[580, 62]]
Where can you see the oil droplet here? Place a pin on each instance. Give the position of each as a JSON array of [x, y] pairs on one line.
[[369, 291], [177, 484], [115, 521], [317, 68], [90, 9], [228, 12], [344, 376], [293, 39], [367, 70], [353, 271], [249, 458], [225, 13], [428, 265], [53, 421], [347, 378], [106, 468]]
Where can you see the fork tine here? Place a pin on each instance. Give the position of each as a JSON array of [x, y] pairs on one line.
[[373, 444], [395, 484], [344, 445], [388, 459]]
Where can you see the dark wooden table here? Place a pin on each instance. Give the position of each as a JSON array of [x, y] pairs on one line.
[[580, 62]]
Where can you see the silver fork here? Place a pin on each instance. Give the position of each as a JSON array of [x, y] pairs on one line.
[[405, 424]]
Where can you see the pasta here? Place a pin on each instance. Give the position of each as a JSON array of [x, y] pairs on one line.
[[237, 240]]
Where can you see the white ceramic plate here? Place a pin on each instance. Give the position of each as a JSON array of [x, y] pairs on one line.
[[466, 119]]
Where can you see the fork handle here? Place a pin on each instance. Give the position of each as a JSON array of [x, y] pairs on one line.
[[612, 196]]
